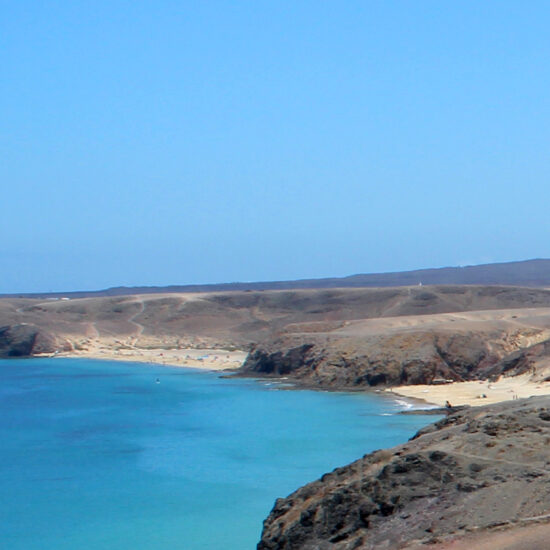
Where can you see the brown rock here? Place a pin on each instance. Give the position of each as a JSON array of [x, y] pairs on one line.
[[471, 471], [25, 340]]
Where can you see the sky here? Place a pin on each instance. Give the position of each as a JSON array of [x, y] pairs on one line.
[[175, 142]]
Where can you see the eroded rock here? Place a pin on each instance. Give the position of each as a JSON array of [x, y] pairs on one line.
[[24, 340], [453, 476]]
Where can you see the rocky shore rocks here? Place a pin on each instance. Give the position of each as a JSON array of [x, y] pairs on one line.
[[473, 470]]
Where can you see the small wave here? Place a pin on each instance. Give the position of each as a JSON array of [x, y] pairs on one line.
[[404, 404], [409, 405]]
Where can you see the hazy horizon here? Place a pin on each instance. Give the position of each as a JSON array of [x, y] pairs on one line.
[[252, 282]]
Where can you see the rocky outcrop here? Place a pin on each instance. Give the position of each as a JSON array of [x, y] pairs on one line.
[[25, 340], [421, 357], [472, 470], [526, 360]]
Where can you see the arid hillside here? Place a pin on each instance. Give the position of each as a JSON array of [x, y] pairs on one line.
[[274, 322]]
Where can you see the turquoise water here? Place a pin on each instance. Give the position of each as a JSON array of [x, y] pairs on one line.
[[101, 455]]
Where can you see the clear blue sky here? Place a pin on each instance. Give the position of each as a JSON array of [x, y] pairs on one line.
[[174, 142]]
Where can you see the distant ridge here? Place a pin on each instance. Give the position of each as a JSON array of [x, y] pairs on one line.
[[532, 273]]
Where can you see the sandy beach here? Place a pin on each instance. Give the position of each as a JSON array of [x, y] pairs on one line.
[[476, 393], [197, 358]]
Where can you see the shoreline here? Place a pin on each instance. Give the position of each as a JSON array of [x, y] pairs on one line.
[[219, 360], [473, 393]]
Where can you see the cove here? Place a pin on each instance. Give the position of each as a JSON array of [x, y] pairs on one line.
[[110, 455]]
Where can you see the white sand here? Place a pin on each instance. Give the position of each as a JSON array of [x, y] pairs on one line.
[[207, 358], [476, 393]]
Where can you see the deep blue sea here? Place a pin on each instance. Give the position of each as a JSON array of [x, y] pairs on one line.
[[117, 456]]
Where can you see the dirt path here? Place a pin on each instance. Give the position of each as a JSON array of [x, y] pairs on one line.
[[93, 326], [490, 459], [532, 537], [140, 328]]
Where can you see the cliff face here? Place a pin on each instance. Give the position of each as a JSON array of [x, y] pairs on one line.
[[419, 357], [24, 340], [472, 470]]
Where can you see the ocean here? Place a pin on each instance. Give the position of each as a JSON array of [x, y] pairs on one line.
[[117, 456]]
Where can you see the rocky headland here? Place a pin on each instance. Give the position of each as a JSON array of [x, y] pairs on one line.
[[24, 340], [475, 471], [405, 350]]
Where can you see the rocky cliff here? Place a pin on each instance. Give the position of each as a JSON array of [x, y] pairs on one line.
[[340, 361], [473, 470], [23, 340]]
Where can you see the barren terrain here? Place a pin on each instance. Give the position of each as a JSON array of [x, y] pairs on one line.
[[339, 338], [457, 484]]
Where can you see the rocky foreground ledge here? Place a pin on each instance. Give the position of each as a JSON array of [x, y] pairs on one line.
[[473, 471]]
